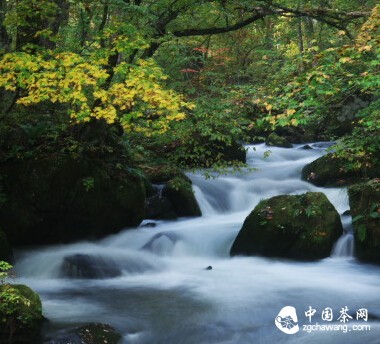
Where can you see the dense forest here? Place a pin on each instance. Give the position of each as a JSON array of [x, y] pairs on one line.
[[101, 100]]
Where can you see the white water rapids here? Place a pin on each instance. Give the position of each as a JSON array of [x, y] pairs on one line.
[[164, 294]]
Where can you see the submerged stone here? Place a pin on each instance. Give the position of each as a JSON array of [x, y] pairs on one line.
[[161, 243], [93, 333], [89, 267]]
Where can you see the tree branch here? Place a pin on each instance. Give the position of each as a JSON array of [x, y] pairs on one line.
[[331, 17], [217, 30]]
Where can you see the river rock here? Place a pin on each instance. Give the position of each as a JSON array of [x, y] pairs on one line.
[[364, 201], [233, 152], [93, 333], [66, 199], [303, 227], [159, 207], [326, 171], [293, 134], [161, 173], [329, 170], [173, 197], [213, 152], [21, 319], [88, 266], [161, 243], [6, 253], [277, 141], [180, 194]]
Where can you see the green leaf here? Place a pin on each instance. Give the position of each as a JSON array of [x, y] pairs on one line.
[[362, 233], [357, 218]]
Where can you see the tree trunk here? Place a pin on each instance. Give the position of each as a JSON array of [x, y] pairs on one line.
[[4, 37], [300, 42]]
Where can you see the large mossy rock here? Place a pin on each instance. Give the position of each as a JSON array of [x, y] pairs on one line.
[[233, 152], [180, 193], [296, 135], [326, 171], [6, 253], [65, 199], [161, 173], [171, 194], [207, 153], [301, 227], [329, 170], [364, 201], [20, 315], [159, 207], [93, 333], [277, 141]]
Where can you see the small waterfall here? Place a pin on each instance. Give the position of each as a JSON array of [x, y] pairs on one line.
[[344, 247], [206, 208]]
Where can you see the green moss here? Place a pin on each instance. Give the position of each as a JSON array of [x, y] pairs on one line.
[[160, 173], [364, 201], [299, 227], [277, 141], [330, 171], [180, 194], [326, 171]]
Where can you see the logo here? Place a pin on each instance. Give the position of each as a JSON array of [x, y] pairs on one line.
[[287, 320]]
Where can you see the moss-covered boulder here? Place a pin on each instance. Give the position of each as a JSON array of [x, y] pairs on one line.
[[301, 227], [294, 134], [277, 141], [6, 253], [160, 173], [65, 199], [20, 314], [364, 201], [329, 170], [210, 153], [180, 193], [158, 207], [170, 195], [93, 333], [233, 152], [326, 171]]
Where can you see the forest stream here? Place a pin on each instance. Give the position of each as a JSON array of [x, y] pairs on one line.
[[174, 282]]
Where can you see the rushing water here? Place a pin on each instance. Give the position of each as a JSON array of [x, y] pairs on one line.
[[165, 294]]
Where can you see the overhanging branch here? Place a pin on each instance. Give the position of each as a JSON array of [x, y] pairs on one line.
[[333, 18], [217, 30]]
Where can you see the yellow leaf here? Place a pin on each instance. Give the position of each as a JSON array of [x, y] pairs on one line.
[[365, 48], [345, 59]]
